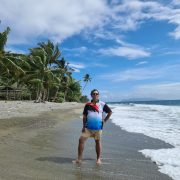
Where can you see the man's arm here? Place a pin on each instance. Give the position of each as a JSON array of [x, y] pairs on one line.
[[108, 116], [108, 110], [85, 113], [84, 122]]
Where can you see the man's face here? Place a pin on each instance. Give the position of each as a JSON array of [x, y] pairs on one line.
[[95, 95]]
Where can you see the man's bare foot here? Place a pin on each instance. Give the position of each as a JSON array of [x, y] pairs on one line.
[[98, 162], [77, 161]]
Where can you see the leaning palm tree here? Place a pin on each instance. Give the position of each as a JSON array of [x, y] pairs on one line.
[[41, 75], [52, 51], [3, 61], [3, 39], [38, 71], [10, 71], [52, 80], [86, 79]]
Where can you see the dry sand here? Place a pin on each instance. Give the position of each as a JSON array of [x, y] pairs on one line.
[[9, 109]]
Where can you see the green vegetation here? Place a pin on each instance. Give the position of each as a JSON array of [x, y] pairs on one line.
[[42, 75]]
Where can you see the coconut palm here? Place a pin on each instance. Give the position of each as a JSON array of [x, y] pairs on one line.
[[74, 90], [38, 71], [52, 51], [41, 72], [10, 71], [52, 55], [3, 39], [86, 79], [41, 75], [64, 75]]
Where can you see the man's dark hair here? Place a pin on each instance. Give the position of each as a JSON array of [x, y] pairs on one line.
[[94, 91]]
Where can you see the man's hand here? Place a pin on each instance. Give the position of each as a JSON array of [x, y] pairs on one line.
[[103, 122], [83, 129], [107, 117]]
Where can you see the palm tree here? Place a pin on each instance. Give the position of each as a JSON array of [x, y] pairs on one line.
[[8, 61], [52, 55], [38, 71], [3, 39], [74, 90], [9, 68], [41, 72], [64, 75], [41, 75], [52, 51], [86, 79]]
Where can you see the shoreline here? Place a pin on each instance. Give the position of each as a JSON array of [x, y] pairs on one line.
[[44, 149]]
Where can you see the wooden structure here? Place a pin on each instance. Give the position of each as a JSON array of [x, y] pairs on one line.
[[9, 93]]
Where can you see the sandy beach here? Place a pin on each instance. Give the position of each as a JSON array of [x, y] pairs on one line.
[[39, 141], [10, 109]]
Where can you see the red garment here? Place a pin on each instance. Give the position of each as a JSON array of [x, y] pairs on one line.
[[95, 106]]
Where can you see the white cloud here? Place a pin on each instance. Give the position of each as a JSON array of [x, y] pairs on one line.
[[58, 20], [137, 74], [15, 50], [55, 19], [171, 52], [98, 65], [76, 66], [75, 51], [176, 33], [78, 50], [132, 75], [129, 52], [176, 2], [130, 15], [158, 91], [142, 62]]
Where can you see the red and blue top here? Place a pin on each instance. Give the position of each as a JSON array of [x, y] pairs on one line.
[[94, 114]]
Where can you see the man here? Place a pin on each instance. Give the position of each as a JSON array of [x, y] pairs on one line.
[[93, 121]]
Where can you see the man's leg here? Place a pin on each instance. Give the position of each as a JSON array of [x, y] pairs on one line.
[[80, 148], [98, 151]]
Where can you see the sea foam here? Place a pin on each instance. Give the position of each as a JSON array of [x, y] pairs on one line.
[[156, 121]]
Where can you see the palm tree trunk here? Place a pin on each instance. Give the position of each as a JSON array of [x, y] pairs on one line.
[[44, 97], [47, 98], [65, 93], [55, 96], [37, 94], [7, 94], [84, 86], [39, 97]]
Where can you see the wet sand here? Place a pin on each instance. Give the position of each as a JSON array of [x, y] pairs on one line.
[[43, 147]]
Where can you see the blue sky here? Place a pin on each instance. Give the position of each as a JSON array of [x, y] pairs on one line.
[[131, 48]]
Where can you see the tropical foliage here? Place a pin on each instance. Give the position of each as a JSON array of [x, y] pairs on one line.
[[41, 75]]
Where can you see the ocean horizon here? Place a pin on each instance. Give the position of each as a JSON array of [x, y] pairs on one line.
[[156, 102]]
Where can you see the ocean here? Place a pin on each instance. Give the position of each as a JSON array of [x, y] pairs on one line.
[[156, 119]]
